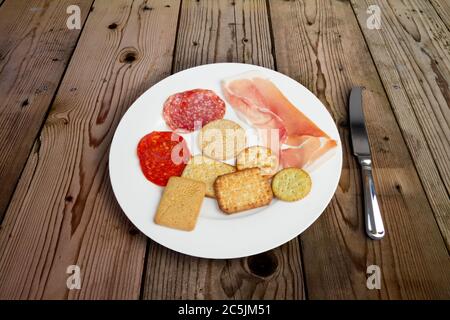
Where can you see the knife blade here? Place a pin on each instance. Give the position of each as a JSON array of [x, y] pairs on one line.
[[361, 149], [360, 140]]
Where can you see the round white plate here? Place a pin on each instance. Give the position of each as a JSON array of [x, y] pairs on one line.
[[217, 235]]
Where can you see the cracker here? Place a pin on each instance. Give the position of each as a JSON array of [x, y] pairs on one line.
[[258, 157], [180, 204], [242, 190], [205, 169], [222, 139], [291, 184]]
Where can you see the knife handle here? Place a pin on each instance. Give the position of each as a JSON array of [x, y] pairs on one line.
[[373, 220]]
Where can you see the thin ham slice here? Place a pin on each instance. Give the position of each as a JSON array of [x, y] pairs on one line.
[[264, 105], [261, 104], [249, 105], [307, 153]]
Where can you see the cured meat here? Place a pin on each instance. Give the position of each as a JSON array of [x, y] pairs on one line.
[[190, 110], [262, 104], [306, 154], [258, 101], [162, 155], [248, 104]]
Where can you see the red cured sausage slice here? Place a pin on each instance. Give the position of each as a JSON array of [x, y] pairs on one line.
[[162, 155], [192, 109]]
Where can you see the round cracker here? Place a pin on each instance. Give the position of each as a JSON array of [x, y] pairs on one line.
[[291, 184], [222, 139], [258, 157]]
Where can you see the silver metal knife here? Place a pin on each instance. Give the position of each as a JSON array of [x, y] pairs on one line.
[[361, 149]]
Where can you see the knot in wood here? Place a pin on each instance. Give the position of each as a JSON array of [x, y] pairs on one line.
[[263, 265], [128, 56], [112, 26]]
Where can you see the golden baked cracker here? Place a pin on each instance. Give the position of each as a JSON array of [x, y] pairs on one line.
[[242, 190], [180, 204], [258, 157], [222, 139], [205, 169], [291, 184]]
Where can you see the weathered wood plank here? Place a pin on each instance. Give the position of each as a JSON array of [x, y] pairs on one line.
[[35, 47], [217, 31], [412, 55], [443, 10], [320, 44], [63, 212], [276, 274]]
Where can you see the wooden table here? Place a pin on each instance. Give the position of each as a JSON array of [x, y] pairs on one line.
[[64, 91]]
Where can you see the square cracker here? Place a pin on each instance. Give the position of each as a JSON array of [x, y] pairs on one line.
[[180, 204], [242, 190], [205, 169]]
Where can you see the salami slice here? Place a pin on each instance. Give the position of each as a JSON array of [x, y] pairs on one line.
[[162, 155], [190, 110]]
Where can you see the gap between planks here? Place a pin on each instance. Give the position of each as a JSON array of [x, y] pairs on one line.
[[411, 107], [75, 219], [310, 41], [15, 172], [216, 31]]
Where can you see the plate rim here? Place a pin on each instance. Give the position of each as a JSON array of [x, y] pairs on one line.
[[276, 244]]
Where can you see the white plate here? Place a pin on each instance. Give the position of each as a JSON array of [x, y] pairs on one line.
[[217, 235]]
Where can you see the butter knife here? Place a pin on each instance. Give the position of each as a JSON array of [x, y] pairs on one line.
[[361, 149]]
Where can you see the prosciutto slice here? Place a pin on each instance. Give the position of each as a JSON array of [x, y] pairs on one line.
[[307, 154], [261, 104]]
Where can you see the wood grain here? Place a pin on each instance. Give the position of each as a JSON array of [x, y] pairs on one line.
[[35, 47], [63, 212], [412, 55], [217, 31], [320, 44], [443, 10]]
